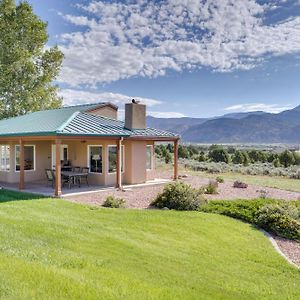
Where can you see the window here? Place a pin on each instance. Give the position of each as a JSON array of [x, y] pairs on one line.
[[95, 159], [64, 154], [29, 157], [4, 158], [149, 157], [112, 159]]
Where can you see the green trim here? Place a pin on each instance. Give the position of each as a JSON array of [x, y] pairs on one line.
[[46, 133]]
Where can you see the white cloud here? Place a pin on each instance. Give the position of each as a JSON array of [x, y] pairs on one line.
[[248, 107], [147, 38], [75, 97]]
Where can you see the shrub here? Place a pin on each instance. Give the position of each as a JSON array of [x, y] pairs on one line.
[[238, 157], [275, 216], [239, 209], [211, 188], [262, 194], [220, 179], [179, 196], [168, 157], [240, 185], [113, 202], [276, 162], [279, 220]]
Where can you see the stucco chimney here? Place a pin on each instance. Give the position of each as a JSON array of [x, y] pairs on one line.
[[135, 115]]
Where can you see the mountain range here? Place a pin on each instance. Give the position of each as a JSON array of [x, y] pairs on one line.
[[244, 127]]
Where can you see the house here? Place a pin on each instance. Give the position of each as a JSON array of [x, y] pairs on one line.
[[115, 152]]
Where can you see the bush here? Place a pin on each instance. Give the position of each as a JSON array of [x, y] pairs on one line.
[[220, 179], [113, 202], [240, 209], [168, 157], [275, 216], [240, 185], [179, 196], [279, 220], [211, 188], [262, 193]]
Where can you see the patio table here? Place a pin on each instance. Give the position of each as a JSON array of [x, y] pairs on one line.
[[73, 176]]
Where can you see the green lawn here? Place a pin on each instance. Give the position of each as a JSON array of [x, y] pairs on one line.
[[52, 249]]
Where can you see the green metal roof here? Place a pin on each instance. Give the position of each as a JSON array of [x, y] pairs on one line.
[[72, 120]]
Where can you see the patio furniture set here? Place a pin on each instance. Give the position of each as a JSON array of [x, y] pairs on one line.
[[70, 176]]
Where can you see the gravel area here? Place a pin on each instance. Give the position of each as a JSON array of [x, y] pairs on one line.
[[141, 197], [290, 248]]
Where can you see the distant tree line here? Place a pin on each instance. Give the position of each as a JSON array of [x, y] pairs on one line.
[[217, 153]]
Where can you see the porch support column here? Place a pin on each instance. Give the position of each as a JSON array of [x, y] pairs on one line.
[[175, 160], [22, 164], [119, 164], [57, 168]]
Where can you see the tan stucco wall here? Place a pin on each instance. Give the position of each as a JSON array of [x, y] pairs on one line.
[[78, 154], [134, 161], [42, 162], [106, 111]]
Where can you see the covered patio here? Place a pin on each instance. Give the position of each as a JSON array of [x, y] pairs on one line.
[[85, 145], [40, 188], [120, 159]]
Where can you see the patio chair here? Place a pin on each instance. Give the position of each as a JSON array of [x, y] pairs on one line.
[[85, 172], [50, 177], [67, 180], [76, 169]]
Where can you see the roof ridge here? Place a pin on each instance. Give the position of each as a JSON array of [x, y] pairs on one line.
[[79, 105], [102, 117], [67, 122]]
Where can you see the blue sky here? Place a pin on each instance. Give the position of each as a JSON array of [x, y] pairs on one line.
[[181, 57]]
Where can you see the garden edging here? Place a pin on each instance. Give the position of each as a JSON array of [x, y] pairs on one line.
[[275, 245]]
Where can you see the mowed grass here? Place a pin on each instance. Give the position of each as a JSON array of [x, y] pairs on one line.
[[52, 249]]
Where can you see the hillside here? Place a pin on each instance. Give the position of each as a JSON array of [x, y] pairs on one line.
[[52, 249], [257, 127]]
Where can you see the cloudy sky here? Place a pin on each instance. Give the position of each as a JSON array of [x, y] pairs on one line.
[[193, 58]]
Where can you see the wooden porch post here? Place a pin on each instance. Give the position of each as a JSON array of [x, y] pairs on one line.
[[57, 168], [22, 164], [175, 159], [119, 165]]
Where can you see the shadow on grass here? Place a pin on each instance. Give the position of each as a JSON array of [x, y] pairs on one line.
[[10, 195]]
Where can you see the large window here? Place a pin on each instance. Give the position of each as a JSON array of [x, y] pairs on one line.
[[4, 158], [112, 159], [95, 159], [149, 157], [64, 155], [29, 157]]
